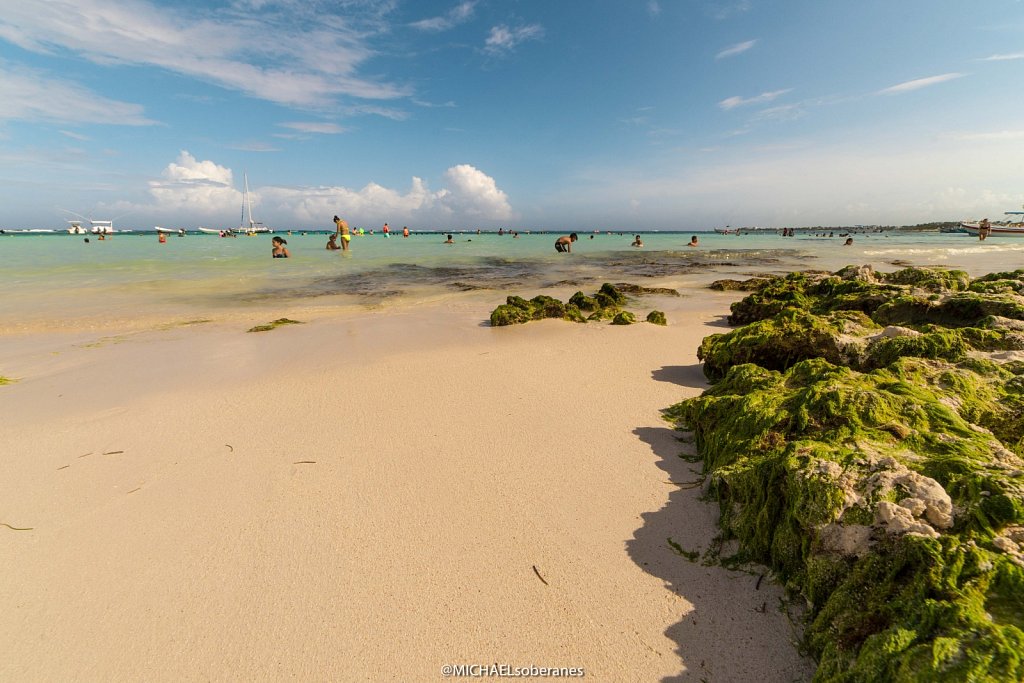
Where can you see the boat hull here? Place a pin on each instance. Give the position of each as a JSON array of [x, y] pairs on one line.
[[1016, 230]]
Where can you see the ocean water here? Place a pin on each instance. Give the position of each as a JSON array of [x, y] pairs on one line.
[[59, 280]]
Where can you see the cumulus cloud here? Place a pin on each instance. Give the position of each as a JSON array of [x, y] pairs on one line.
[[736, 49], [455, 16], [473, 193], [204, 191], [733, 102], [320, 53], [196, 187], [504, 39], [30, 95], [919, 83]]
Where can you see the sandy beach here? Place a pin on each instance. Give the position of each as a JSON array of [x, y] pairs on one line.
[[368, 497]]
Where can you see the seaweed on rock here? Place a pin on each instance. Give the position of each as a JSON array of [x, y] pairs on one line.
[[604, 305], [879, 473]]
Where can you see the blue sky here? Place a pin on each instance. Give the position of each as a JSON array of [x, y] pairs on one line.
[[545, 114]]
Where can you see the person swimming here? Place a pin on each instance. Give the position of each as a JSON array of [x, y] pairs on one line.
[[637, 242], [279, 249]]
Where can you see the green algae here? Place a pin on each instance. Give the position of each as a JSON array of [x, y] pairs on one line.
[[623, 318], [878, 473], [274, 325], [7, 380], [605, 304], [657, 318]]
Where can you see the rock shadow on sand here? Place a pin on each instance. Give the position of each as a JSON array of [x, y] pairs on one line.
[[733, 625], [689, 376]]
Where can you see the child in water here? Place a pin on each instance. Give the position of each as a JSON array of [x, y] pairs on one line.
[[279, 250]]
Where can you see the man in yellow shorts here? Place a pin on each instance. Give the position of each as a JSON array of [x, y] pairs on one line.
[[343, 232]]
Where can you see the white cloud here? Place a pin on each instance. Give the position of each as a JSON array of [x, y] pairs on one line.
[[474, 194], [996, 136], [919, 83], [455, 16], [29, 94], [1003, 58], [733, 102], [321, 53], [736, 49], [204, 191], [859, 181], [199, 188], [321, 127], [653, 8], [504, 39]]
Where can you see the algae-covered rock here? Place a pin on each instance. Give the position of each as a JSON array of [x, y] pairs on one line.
[[878, 471], [584, 302], [628, 288], [787, 338], [519, 310], [609, 297], [623, 318], [604, 305], [515, 310], [753, 284], [657, 317]]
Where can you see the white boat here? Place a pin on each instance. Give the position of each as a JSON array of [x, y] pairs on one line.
[[180, 232], [253, 227], [95, 227], [1007, 228]]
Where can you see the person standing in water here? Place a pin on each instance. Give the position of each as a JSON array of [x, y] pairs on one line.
[[343, 232], [693, 241], [564, 243], [279, 250]]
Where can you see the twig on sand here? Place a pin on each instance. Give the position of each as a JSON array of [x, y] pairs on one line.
[[64, 468], [134, 490], [304, 462], [686, 484], [14, 528], [231, 447], [113, 452], [85, 454], [757, 586], [537, 572]]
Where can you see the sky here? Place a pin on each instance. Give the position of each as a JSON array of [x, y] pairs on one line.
[[534, 114]]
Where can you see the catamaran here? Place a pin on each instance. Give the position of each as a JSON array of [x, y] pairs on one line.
[[253, 227], [245, 227]]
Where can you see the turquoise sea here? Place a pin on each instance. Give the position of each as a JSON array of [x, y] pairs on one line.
[[59, 280]]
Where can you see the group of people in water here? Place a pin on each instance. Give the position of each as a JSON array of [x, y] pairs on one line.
[[343, 234]]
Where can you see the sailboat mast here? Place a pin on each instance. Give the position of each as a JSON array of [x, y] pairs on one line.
[[248, 200]]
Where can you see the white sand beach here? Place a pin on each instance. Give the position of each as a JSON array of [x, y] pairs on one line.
[[367, 497]]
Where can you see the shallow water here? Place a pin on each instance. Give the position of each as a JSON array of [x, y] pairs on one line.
[[59, 280]]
